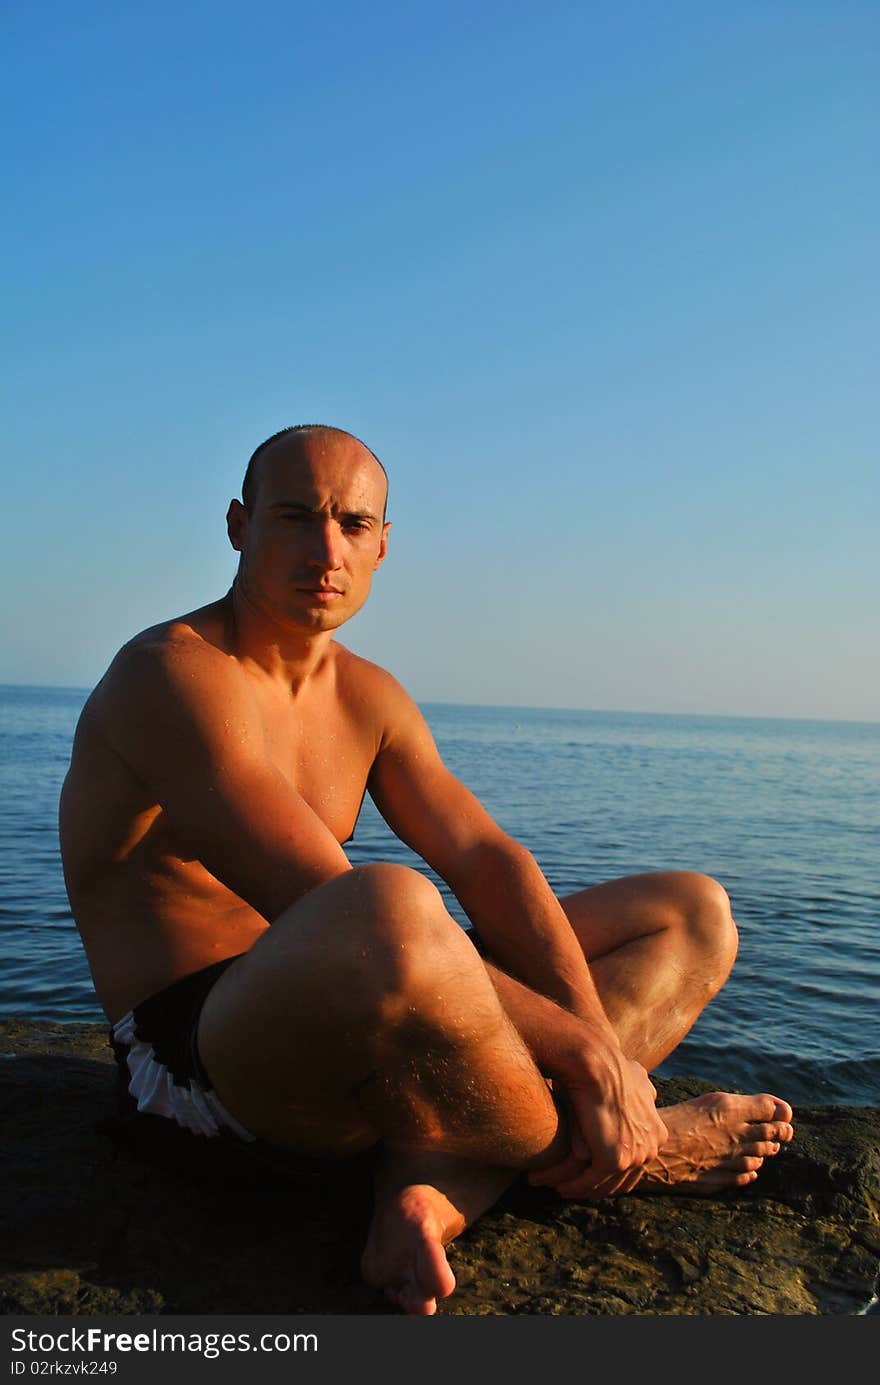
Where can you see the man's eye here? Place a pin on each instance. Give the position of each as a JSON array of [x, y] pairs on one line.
[[357, 526]]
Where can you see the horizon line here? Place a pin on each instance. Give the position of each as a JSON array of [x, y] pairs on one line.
[[551, 707]]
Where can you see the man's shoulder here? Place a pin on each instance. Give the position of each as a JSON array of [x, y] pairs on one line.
[[368, 681], [169, 641], [372, 687], [182, 655]]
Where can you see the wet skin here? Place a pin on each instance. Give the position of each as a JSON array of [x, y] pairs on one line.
[[217, 770]]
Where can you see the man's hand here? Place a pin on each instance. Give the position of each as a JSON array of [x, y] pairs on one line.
[[615, 1127]]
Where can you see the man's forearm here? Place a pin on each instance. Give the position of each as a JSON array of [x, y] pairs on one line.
[[547, 1029], [526, 929]]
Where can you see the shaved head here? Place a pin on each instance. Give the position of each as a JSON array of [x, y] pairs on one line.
[[298, 438]]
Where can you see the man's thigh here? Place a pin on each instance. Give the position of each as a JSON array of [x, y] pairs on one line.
[[278, 1033], [606, 917]]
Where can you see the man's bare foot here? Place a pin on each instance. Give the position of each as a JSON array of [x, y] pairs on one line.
[[422, 1203], [717, 1141]]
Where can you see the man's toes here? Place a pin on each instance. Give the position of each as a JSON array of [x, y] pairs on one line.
[[776, 1134], [770, 1108], [746, 1163], [434, 1272], [418, 1307], [762, 1149], [410, 1298], [782, 1111], [729, 1175], [741, 1180], [415, 1304]]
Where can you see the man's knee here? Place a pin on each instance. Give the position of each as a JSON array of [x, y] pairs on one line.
[[363, 954], [711, 931], [389, 925], [426, 971], [388, 887], [393, 907]]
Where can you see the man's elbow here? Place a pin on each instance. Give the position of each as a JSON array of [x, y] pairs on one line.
[[496, 859]]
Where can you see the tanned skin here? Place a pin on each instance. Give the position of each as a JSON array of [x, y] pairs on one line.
[[217, 772]]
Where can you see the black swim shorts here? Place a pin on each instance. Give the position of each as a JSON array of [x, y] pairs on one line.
[[166, 1107]]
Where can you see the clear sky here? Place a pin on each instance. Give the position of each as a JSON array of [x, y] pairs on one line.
[[597, 282]]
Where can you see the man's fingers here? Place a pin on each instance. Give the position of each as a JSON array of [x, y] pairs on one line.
[[630, 1181], [611, 1140], [613, 1160], [598, 1134], [586, 1186]]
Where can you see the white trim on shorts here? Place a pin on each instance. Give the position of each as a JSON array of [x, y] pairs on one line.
[[157, 1094]]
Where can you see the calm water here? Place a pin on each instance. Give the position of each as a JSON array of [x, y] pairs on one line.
[[786, 814]]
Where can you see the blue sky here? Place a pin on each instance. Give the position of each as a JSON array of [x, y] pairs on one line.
[[596, 282]]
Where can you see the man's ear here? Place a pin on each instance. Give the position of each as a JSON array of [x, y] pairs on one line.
[[236, 524], [383, 546]]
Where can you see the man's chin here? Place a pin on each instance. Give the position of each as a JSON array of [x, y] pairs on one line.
[[321, 618]]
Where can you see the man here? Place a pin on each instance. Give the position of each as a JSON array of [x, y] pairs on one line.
[[263, 990]]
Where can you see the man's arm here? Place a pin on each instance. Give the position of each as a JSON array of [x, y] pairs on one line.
[[181, 715], [498, 882], [503, 891]]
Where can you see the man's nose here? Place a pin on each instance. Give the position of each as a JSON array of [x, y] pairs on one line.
[[325, 549]]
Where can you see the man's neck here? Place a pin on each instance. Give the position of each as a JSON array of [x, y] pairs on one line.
[[286, 654]]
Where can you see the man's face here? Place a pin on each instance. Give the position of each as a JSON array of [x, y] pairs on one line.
[[316, 535]]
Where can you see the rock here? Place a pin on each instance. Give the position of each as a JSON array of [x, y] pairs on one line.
[[102, 1222]]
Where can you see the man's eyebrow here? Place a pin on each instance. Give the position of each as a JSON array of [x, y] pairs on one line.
[[314, 510]]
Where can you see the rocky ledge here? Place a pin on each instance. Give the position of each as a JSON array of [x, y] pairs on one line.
[[98, 1225]]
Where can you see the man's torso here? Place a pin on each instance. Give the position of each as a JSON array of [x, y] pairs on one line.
[[147, 909]]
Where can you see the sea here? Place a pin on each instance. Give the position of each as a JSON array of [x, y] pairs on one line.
[[785, 814]]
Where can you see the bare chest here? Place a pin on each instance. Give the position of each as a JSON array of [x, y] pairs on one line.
[[327, 757]]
